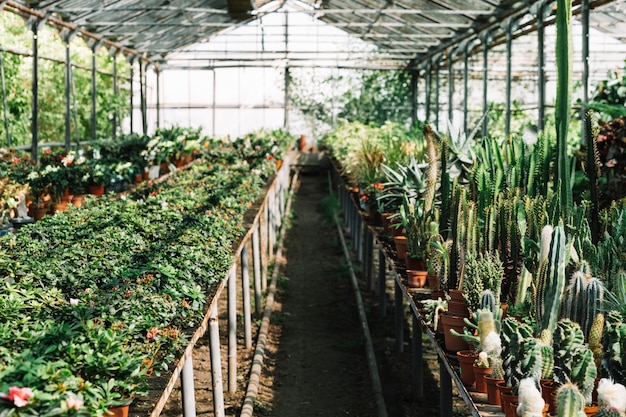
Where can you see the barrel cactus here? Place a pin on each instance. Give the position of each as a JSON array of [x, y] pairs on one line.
[[608, 412], [570, 401]]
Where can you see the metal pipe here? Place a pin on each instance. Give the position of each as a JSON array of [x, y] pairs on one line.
[[429, 68], [68, 110], [94, 119], [417, 353], [369, 259], [450, 87], [465, 85], [257, 362], [256, 266], [216, 365], [214, 103], [115, 93], [132, 101], [158, 98], [398, 317], [187, 388], [414, 97], [245, 285], [7, 131], [35, 95], [584, 4], [541, 62], [509, 51], [142, 97], [382, 282], [232, 331], [485, 41], [369, 349], [265, 246], [437, 109]]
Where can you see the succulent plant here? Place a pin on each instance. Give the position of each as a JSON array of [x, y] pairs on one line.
[[521, 353], [482, 272], [551, 277], [606, 411], [531, 402], [612, 395], [614, 343], [573, 360], [569, 401], [547, 361]]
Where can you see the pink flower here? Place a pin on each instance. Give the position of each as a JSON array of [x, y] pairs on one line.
[[74, 402], [16, 159], [152, 333], [19, 396]]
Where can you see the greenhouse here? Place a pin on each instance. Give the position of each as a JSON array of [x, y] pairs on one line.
[[304, 208]]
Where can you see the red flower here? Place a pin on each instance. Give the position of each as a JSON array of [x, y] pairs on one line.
[[378, 186], [19, 396]]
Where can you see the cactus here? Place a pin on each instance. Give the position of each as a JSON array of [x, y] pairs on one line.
[[595, 339], [551, 277], [488, 301], [614, 347], [547, 361], [520, 353], [531, 402], [612, 395], [594, 296], [573, 299], [607, 411], [573, 360], [570, 402]]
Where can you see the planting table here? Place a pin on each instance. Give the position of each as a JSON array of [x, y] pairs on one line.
[[365, 238]]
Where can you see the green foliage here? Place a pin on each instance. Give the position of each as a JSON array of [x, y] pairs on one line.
[[51, 119], [569, 401]]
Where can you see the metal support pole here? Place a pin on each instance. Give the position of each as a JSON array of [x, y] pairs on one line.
[[94, 119], [213, 104], [485, 41], [584, 5], [187, 387], [509, 52], [429, 68], [142, 97], [417, 355], [115, 93], [369, 259], [398, 317], [132, 99], [359, 237], [256, 265], [382, 283], [216, 365], [68, 109], [35, 96], [445, 391], [232, 331], [245, 284], [287, 79], [265, 246], [541, 63], [7, 131], [414, 97], [465, 85], [158, 98], [450, 87]]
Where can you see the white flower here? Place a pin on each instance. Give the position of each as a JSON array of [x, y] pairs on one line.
[[612, 394], [74, 301]]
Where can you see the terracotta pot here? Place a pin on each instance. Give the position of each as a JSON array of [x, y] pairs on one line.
[[416, 279], [591, 410], [437, 294], [548, 392], [138, 178], [78, 200], [479, 377], [415, 264], [453, 343], [503, 389], [145, 175], [57, 207], [37, 213], [458, 308], [96, 190], [493, 394], [119, 411], [66, 198], [385, 220], [456, 295], [507, 404], [400, 242], [433, 282], [466, 363]]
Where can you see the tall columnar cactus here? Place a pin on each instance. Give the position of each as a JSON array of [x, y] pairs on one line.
[[573, 299], [488, 301], [595, 339], [594, 295], [551, 277], [547, 361], [570, 402], [614, 347]]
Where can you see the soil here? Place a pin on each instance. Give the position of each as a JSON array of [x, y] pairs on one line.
[[315, 362]]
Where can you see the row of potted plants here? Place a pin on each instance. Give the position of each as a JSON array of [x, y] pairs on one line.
[[97, 299]]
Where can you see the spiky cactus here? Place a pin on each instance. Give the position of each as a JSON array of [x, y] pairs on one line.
[[594, 295], [614, 343], [547, 361], [531, 402], [573, 360], [608, 412], [551, 277], [569, 401], [573, 299]]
